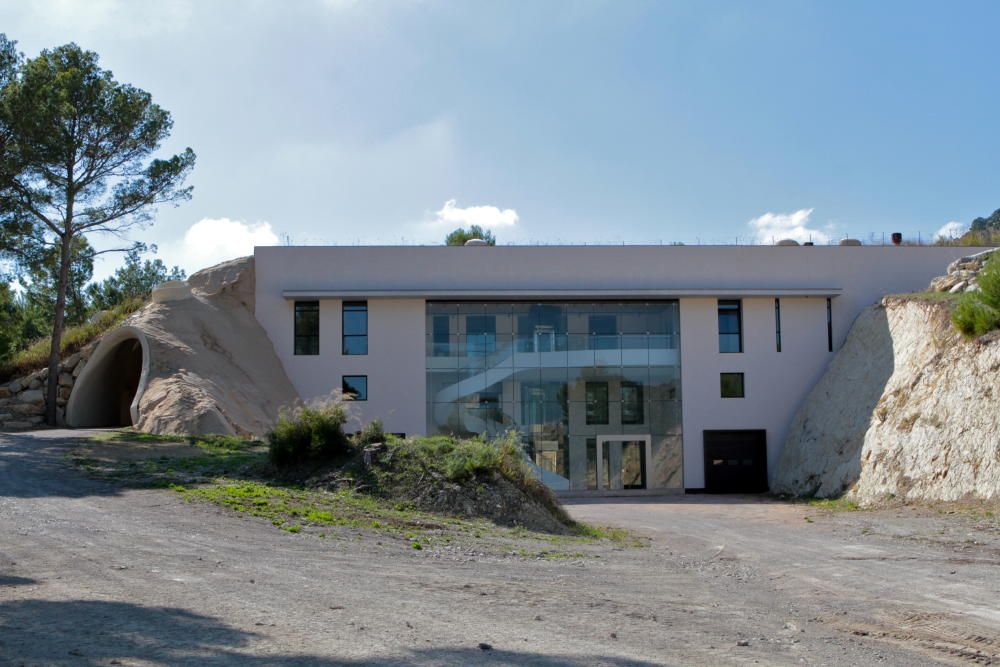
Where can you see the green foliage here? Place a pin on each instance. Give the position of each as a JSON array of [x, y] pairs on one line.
[[984, 224], [40, 280], [135, 280], [34, 356], [460, 236], [76, 157], [309, 434], [372, 433], [978, 313]]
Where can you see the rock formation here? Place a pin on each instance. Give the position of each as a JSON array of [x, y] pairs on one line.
[[207, 366], [906, 409]]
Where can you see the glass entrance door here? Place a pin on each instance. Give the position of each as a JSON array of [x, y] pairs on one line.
[[624, 461]]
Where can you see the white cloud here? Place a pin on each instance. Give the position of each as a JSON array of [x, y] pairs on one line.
[[951, 230], [484, 216], [773, 227], [213, 240]]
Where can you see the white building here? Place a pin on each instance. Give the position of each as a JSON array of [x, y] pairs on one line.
[[676, 367]]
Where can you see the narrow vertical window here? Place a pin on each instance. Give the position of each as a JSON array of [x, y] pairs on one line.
[[777, 324], [597, 402], [730, 326], [355, 325], [633, 405], [307, 327], [829, 325]]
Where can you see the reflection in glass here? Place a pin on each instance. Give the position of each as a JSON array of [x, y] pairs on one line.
[[561, 374]]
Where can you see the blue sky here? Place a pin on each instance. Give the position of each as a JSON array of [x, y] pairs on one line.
[[348, 122]]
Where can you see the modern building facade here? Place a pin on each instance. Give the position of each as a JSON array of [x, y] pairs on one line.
[[622, 368]]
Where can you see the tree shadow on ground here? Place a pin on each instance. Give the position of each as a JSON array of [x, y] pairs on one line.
[[97, 632], [36, 465]]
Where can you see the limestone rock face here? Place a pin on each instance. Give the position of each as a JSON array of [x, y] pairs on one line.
[[212, 367], [906, 409]]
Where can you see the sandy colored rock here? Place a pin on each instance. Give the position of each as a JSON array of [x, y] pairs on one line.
[[906, 409], [212, 367]]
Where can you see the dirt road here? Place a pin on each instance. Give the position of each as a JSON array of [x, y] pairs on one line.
[[95, 575]]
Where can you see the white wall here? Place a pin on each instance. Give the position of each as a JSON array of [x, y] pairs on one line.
[[776, 383], [394, 363]]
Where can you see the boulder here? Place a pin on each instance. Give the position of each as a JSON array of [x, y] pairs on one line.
[[31, 396]]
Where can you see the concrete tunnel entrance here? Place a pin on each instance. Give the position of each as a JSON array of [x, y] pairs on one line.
[[106, 393]]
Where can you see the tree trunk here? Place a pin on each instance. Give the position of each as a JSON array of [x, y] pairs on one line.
[[52, 387]]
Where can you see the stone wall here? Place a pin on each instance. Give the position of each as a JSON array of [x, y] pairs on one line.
[[22, 400]]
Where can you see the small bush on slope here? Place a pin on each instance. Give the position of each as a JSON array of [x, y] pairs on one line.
[[309, 434], [978, 312]]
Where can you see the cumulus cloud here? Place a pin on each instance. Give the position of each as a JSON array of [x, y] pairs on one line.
[[213, 240], [951, 230], [484, 216], [773, 227]]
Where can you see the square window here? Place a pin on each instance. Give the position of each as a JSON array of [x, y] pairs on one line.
[[732, 385], [355, 387]]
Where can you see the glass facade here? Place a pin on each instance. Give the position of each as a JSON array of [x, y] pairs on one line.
[[570, 378]]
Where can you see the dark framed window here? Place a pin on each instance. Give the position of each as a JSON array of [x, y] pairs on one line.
[[829, 325], [777, 324], [633, 405], [731, 385], [355, 387], [730, 326], [355, 324], [307, 327], [597, 402]]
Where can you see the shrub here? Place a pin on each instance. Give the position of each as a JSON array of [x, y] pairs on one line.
[[309, 434], [372, 432], [978, 312], [973, 317]]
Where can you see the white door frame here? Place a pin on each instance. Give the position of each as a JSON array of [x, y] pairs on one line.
[[601, 439]]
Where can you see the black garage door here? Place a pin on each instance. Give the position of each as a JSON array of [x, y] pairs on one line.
[[735, 461]]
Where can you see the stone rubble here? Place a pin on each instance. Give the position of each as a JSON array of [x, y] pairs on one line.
[[22, 400], [961, 274]]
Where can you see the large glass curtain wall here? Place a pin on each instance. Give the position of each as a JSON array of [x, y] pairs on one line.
[[560, 374]]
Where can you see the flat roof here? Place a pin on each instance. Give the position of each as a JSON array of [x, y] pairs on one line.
[[579, 294]]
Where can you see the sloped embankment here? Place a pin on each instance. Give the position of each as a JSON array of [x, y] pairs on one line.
[[906, 409], [207, 366]]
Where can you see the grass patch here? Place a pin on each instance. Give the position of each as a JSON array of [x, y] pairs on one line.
[[382, 497], [834, 504], [36, 355]]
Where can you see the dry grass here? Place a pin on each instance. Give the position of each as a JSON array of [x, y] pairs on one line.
[[36, 356]]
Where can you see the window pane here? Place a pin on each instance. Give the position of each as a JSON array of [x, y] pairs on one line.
[[355, 344], [732, 385], [306, 327], [355, 323], [730, 327], [355, 387], [597, 402], [633, 405]]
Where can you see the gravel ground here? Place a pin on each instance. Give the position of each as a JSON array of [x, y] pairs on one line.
[[91, 574]]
